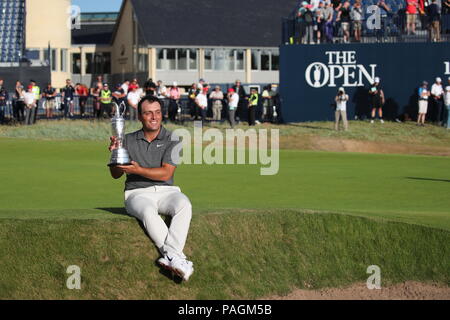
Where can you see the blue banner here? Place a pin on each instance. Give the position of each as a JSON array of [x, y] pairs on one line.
[[310, 76]]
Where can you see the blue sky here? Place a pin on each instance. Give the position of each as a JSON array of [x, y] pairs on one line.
[[98, 5]]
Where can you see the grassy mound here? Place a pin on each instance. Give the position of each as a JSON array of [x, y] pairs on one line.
[[237, 255]]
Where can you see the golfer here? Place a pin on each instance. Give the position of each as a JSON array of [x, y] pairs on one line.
[[149, 189]]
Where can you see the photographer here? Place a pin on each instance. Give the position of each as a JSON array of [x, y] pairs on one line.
[[341, 109]]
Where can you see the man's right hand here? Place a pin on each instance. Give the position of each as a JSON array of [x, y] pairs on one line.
[[114, 144]]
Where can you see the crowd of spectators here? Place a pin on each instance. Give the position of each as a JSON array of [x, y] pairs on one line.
[[319, 21], [200, 101]]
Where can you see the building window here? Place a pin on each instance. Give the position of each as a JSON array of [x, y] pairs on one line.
[[76, 63], [89, 63], [240, 60], [182, 56], [193, 59], [63, 60], [224, 59], [265, 60], [52, 59], [143, 62], [176, 59]]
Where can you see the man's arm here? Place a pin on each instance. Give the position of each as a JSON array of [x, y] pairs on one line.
[[163, 173]]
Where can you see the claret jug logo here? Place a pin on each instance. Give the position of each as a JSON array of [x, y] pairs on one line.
[[341, 69]]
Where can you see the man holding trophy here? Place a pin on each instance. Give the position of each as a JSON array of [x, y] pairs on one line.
[[145, 156]]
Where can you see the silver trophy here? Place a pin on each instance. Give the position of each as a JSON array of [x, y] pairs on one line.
[[119, 156]]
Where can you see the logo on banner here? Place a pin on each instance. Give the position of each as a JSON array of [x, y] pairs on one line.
[[447, 67], [341, 67]]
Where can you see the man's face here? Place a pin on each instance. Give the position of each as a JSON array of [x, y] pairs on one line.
[[1, 83], [151, 116], [68, 83], [238, 83]]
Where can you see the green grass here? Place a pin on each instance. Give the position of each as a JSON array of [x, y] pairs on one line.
[[237, 255], [49, 175], [320, 222]]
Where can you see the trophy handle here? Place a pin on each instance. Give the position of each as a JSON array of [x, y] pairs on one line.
[[119, 114], [124, 109]]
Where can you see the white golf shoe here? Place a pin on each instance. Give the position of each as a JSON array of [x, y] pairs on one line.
[[179, 266], [182, 267]]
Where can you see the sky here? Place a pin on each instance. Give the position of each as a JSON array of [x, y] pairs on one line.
[[98, 5]]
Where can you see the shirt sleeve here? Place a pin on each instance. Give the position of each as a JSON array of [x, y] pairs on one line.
[[172, 156]]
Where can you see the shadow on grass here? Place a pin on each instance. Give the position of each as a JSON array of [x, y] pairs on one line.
[[309, 127], [119, 211], [428, 179]]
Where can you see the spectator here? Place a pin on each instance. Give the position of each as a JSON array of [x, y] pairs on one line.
[[37, 94], [300, 22], [106, 101], [447, 103], [217, 97], [437, 94], [384, 12], [423, 103], [344, 17], [49, 95], [133, 98], [150, 87], [306, 23], [320, 21], [266, 102], [239, 89], [119, 95], [83, 94], [68, 94], [3, 101], [95, 92], [357, 17], [30, 104], [161, 90], [446, 7], [125, 86], [174, 98], [202, 102], [233, 100], [435, 24], [328, 14], [19, 105], [412, 8], [192, 93], [341, 109], [377, 100], [252, 105], [337, 4]]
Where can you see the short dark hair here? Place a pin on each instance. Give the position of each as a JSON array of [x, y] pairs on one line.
[[150, 99]]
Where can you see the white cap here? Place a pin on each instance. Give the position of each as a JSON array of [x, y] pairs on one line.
[[438, 79], [377, 80]]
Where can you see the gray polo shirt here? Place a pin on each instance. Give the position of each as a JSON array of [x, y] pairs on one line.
[[149, 155]]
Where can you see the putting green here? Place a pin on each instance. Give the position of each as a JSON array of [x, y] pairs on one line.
[[43, 178]]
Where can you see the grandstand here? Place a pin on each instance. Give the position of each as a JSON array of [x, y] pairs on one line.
[[12, 31], [393, 25]]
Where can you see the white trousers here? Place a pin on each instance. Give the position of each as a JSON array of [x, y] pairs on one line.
[[147, 203]]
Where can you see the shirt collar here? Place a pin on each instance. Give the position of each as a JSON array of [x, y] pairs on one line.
[[161, 135]]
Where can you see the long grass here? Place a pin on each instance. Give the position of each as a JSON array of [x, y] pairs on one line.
[[403, 133], [237, 255]]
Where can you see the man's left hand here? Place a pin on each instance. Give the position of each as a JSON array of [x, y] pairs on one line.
[[133, 168]]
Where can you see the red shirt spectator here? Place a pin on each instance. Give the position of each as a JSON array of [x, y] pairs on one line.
[[411, 6]]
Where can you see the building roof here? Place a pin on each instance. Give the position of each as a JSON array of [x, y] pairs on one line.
[[234, 23]]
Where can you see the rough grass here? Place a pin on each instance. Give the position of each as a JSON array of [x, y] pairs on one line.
[[237, 255], [402, 133]]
